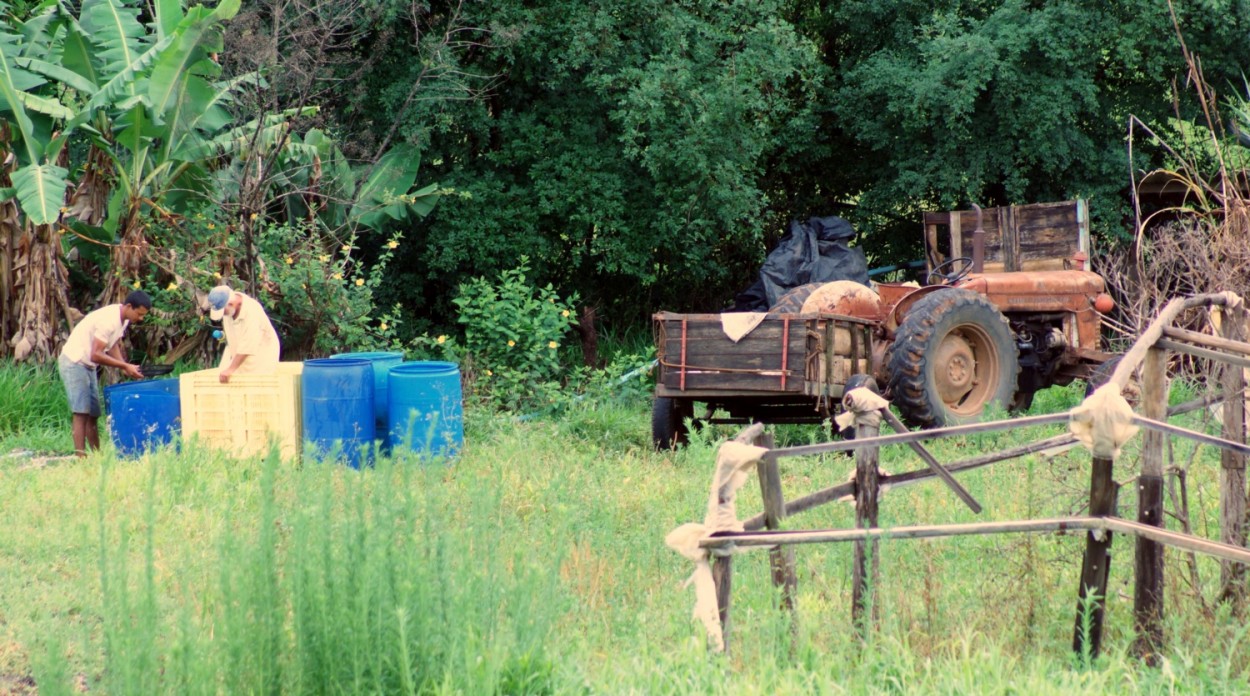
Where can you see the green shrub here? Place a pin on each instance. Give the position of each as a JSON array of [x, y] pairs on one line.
[[512, 337]]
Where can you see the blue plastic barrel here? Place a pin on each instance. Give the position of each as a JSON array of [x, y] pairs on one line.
[[143, 415], [337, 398], [382, 363], [426, 410]]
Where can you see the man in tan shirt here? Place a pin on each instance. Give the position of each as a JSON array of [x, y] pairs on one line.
[[251, 342]]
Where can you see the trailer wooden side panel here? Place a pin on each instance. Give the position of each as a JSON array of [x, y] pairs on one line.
[[695, 354]]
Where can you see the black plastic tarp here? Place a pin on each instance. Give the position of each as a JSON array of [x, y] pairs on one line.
[[816, 251]]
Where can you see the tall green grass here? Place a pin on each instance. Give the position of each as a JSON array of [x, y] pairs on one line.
[[534, 563]]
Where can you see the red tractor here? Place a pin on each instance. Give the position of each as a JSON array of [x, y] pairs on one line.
[[1009, 307]]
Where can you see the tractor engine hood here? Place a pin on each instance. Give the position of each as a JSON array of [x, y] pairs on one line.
[[1038, 291]]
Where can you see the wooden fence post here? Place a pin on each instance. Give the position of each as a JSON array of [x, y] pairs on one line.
[[1233, 464], [781, 558], [723, 575], [867, 487], [1148, 591], [1102, 495]]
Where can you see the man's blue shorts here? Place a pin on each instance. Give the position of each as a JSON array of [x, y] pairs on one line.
[[81, 386]]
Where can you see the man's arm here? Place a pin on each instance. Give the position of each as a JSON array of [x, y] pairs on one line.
[[101, 355], [224, 376]]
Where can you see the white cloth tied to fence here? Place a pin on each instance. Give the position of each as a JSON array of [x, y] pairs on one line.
[[862, 401], [734, 461], [1103, 422], [738, 324]]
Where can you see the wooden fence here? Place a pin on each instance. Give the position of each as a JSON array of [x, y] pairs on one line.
[[1150, 353]]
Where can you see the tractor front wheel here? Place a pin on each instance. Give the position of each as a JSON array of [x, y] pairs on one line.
[[953, 355]]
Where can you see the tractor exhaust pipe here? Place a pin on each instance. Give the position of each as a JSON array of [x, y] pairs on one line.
[[978, 244]]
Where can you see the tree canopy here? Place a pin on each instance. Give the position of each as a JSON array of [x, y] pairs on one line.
[[646, 155]]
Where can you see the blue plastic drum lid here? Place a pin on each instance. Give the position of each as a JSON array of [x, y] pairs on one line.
[[143, 415], [426, 408], [337, 400], [382, 362]]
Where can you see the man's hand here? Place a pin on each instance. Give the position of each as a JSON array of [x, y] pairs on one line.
[[133, 371], [224, 376]]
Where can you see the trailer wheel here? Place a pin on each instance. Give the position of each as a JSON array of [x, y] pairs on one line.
[[668, 422], [1102, 374], [953, 355]]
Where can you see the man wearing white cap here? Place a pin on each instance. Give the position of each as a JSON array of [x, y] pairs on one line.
[[251, 343]]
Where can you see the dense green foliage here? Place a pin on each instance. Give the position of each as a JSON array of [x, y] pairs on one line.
[[647, 156]]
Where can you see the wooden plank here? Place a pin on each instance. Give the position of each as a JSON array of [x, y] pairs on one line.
[[1011, 239], [1148, 554], [780, 558], [1233, 464], [1092, 592], [722, 577], [865, 572]]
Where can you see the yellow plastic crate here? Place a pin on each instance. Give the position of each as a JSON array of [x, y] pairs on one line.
[[242, 415]]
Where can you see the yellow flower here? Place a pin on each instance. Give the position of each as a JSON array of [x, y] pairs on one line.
[[552, 344], [489, 373], [289, 260], [216, 274], [360, 281], [135, 285], [442, 339], [253, 216], [565, 314], [347, 248], [172, 286], [392, 244], [324, 258], [511, 343], [384, 326], [337, 276], [211, 226]]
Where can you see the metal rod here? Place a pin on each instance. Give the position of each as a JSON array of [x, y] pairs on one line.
[[821, 536], [1202, 352], [1160, 426], [1061, 524], [1205, 340], [918, 436], [933, 463]]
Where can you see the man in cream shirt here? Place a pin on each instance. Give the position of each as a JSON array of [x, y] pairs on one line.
[[251, 342], [96, 340]]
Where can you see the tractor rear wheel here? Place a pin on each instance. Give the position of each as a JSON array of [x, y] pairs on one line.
[[953, 355]]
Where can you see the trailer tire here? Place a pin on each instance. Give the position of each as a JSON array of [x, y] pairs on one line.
[[668, 422], [953, 354]]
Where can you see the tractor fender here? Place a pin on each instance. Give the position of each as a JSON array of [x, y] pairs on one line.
[[903, 302]]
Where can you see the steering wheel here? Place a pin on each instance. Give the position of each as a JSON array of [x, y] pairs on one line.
[[951, 276]]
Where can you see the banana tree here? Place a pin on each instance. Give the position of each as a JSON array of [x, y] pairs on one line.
[[139, 97], [32, 187], [156, 103]]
